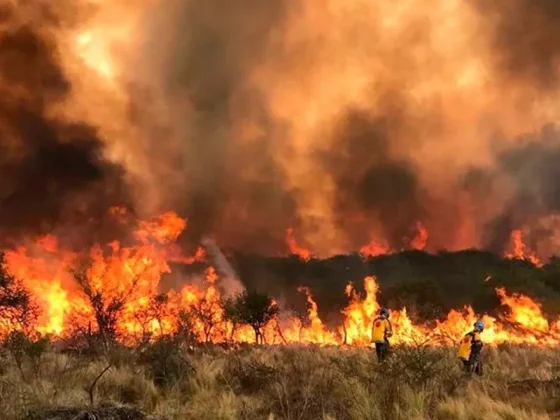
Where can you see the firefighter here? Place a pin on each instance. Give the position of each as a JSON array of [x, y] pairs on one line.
[[382, 331], [470, 349]]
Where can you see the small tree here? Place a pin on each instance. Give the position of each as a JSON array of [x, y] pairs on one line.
[[156, 310], [207, 312], [23, 348], [233, 315], [16, 308], [254, 309], [107, 304], [186, 328]]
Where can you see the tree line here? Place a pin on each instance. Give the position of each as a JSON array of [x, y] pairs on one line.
[[429, 285]]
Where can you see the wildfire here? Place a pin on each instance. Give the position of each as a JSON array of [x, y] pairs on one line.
[[374, 248], [381, 247], [295, 249], [421, 239], [521, 251], [123, 282]]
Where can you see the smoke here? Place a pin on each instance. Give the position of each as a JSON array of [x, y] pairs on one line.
[[532, 167], [229, 280], [53, 170], [344, 120], [523, 38], [372, 188]]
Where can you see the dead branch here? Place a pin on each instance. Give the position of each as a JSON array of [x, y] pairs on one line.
[[91, 388]]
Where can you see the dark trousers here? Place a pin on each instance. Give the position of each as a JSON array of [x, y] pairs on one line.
[[381, 349], [473, 365]]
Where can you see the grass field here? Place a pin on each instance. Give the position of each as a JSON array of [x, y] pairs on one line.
[[165, 381]]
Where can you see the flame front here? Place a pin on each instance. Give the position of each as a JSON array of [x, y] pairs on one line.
[[131, 274], [520, 250], [296, 249]]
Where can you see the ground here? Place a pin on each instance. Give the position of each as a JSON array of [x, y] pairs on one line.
[[167, 381]]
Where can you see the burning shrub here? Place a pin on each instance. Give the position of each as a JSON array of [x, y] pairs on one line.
[[208, 313], [16, 308], [107, 306]]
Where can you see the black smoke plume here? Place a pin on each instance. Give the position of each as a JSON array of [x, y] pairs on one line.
[[53, 171]]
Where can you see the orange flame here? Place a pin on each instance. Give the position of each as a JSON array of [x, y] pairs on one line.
[[375, 247], [126, 279], [421, 239], [520, 251], [295, 249]]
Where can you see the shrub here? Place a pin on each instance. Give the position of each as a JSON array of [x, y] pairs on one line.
[[165, 362]]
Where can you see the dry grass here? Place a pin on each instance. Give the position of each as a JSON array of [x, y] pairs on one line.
[[287, 383]]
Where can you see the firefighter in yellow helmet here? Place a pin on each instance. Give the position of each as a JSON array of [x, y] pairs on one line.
[[470, 349], [382, 331]]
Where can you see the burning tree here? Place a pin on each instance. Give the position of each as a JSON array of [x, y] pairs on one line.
[[254, 309], [107, 304], [208, 312], [152, 316], [233, 315], [16, 308]]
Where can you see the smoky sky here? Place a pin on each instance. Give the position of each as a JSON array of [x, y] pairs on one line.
[[53, 171], [533, 167], [235, 149], [282, 115], [524, 37], [222, 186], [370, 182]]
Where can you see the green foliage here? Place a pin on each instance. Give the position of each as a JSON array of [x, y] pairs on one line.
[[251, 308]]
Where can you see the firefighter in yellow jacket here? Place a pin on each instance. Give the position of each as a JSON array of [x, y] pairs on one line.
[[382, 331], [470, 348]]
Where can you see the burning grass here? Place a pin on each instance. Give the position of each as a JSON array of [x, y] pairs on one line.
[[282, 382]]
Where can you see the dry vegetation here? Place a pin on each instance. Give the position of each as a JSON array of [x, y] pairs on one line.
[[166, 380]]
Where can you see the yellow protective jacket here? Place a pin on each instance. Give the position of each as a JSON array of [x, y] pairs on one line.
[[382, 330], [468, 343]]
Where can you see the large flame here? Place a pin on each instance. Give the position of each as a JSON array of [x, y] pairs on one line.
[[296, 249], [520, 250], [63, 288], [380, 247]]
